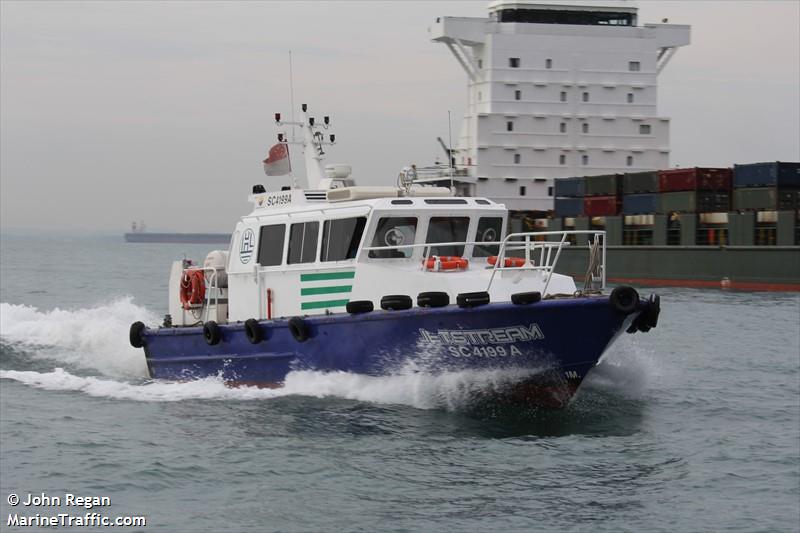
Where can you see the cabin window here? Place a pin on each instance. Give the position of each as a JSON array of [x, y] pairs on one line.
[[634, 66], [563, 96], [585, 127], [270, 245], [394, 231], [303, 242], [513, 62], [548, 63], [644, 129], [447, 229], [340, 238], [490, 229], [562, 159], [517, 95], [630, 98]]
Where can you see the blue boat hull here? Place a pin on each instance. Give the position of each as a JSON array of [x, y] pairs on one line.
[[559, 341]]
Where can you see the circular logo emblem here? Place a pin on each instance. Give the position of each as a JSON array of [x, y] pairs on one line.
[[394, 237], [246, 247]]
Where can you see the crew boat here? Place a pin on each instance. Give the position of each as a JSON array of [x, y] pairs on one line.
[[334, 277]]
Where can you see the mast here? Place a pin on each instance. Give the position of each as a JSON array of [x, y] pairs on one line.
[[313, 145]]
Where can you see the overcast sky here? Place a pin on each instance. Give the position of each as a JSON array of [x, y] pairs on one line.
[[113, 111]]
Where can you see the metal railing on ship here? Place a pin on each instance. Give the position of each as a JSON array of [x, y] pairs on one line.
[[540, 255]]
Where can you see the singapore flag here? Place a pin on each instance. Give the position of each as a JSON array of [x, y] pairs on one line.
[[277, 163]]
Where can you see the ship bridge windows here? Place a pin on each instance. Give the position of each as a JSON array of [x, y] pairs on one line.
[[340, 238], [394, 231], [564, 16], [447, 229], [270, 245], [303, 242]]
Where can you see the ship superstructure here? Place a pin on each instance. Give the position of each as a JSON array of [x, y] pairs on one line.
[[557, 90]]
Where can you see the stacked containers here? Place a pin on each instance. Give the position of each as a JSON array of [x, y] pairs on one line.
[[602, 194], [695, 190], [766, 186], [640, 193], [569, 194]]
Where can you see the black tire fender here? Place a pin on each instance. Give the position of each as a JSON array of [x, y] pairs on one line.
[[433, 299], [253, 331], [299, 329], [212, 333], [472, 299], [360, 306], [396, 302], [525, 298], [624, 299], [136, 335]]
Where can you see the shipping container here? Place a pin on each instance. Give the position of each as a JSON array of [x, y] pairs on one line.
[[694, 179], [569, 207], [569, 187], [713, 202], [601, 206], [636, 204], [694, 202], [767, 175], [606, 185], [765, 198], [640, 182]]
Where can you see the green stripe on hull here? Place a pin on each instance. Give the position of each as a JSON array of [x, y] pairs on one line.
[[327, 275], [307, 291], [326, 303]]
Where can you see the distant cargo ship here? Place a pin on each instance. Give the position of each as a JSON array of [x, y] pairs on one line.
[[139, 234]]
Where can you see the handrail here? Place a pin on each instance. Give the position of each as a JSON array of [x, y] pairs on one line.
[[547, 260]]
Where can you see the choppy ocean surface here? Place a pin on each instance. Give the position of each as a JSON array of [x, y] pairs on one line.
[[692, 427]]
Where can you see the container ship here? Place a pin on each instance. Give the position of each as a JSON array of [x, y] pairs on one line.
[[561, 126], [705, 227]]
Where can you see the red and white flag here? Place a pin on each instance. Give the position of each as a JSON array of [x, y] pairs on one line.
[[277, 162]]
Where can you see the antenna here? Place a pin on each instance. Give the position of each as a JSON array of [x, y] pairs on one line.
[[450, 151], [291, 91]]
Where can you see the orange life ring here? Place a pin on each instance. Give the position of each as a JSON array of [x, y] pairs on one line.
[[509, 262], [446, 262], [193, 287]]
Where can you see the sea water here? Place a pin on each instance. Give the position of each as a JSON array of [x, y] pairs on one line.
[[694, 426]]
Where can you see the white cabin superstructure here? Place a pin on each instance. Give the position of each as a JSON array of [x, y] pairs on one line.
[[557, 90], [312, 251]]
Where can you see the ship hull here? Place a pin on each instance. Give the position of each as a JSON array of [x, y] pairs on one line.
[[756, 268], [552, 345]]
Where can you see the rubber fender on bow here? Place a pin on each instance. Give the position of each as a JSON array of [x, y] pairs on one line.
[[433, 299], [360, 306], [299, 329], [253, 331], [525, 298], [472, 299], [624, 299], [212, 333], [396, 302], [136, 335], [649, 317]]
